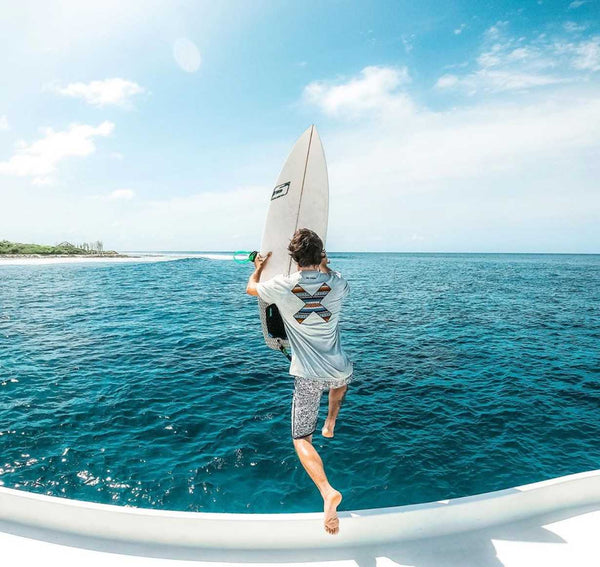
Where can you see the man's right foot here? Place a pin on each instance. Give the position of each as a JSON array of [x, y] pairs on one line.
[[331, 502], [327, 430]]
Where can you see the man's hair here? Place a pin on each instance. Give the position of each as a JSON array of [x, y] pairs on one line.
[[306, 248]]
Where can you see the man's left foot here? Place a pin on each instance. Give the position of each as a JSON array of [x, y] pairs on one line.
[[331, 502]]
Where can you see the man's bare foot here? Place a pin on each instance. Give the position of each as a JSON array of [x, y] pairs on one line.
[[328, 428], [331, 502]]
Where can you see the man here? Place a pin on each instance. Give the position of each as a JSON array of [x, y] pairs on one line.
[[310, 302]]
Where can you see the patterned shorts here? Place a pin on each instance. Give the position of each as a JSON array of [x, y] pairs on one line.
[[306, 402]]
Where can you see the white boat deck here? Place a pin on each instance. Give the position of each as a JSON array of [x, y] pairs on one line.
[[552, 523]]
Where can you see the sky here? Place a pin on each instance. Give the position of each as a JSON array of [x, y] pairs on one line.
[[461, 126]]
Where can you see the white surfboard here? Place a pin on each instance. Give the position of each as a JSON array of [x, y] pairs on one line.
[[300, 199]]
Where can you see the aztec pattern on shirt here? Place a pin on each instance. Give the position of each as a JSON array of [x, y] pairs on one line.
[[312, 303]]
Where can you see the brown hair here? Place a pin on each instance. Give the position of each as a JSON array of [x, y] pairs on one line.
[[306, 248]]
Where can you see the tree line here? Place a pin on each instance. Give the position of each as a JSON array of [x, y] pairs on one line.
[[97, 247]]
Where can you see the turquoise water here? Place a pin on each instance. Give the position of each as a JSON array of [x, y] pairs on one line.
[[149, 385]]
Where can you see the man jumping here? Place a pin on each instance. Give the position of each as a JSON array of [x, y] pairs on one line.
[[310, 302]]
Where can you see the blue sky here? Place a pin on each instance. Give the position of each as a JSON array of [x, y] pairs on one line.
[[462, 126]]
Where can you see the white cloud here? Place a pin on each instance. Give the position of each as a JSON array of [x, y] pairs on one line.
[[497, 81], [463, 143], [496, 177], [375, 89], [186, 55], [496, 31], [40, 181], [576, 4], [488, 59], [107, 92], [520, 54], [584, 56], [515, 64], [572, 27], [121, 195], [407, 42], [446, 81], [40, 159], [3, 122], [587, 55], [482, 178], [460, 29]]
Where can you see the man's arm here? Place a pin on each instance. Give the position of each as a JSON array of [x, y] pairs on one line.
[[259, 263]]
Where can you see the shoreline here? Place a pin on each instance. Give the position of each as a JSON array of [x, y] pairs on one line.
[[45, 259], [115, 255]]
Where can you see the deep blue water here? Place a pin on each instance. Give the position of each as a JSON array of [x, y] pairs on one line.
[[149, 385]]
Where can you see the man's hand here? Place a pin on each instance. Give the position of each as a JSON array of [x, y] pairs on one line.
[[323, 267], [260, 261], [259, 264]]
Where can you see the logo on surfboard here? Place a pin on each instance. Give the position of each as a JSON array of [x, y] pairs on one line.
[[280, 190]]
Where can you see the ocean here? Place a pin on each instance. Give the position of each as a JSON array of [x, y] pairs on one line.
[[148, 384]]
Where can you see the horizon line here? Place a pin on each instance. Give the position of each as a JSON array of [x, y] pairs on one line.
[[375, 252]]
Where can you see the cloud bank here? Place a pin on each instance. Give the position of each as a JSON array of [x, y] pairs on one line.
[[511, 173]]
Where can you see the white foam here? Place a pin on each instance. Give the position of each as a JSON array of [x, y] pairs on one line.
[[130, 257], [84, 260], [214, 256]]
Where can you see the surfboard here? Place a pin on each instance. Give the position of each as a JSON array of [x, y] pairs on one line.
[[300, 199]]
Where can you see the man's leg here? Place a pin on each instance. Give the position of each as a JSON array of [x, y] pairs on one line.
[[336, 399], [305, 412], [312, 463]]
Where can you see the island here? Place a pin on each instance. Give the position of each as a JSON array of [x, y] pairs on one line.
[[10, 249]]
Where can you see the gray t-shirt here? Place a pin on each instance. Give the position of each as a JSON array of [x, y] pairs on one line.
[[310, 303]]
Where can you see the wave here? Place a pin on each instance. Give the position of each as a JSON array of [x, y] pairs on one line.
[[213, 256]]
